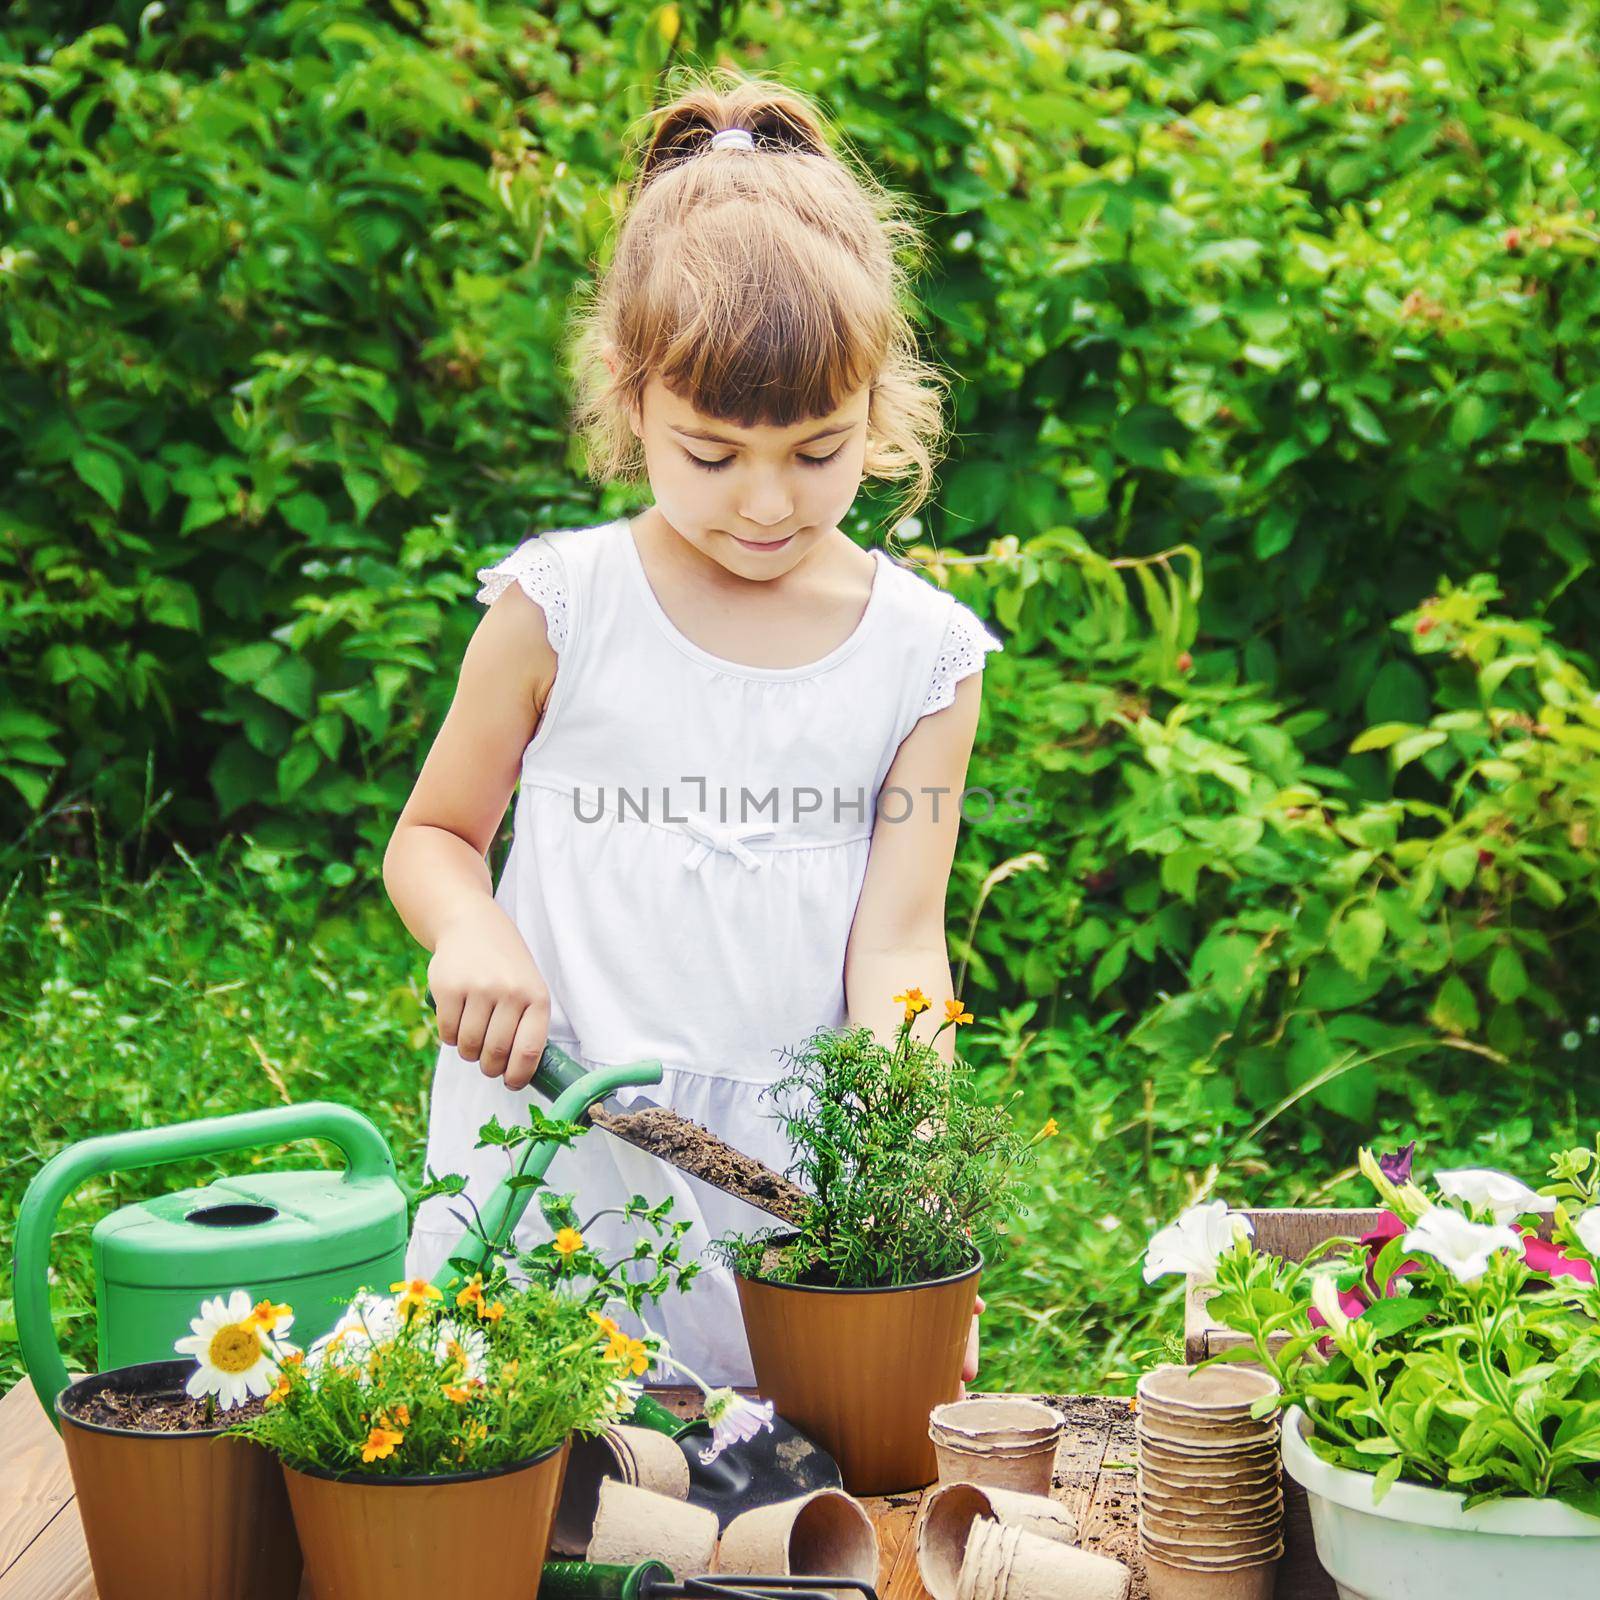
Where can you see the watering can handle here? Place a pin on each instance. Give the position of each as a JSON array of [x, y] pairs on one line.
[[363, 1146]]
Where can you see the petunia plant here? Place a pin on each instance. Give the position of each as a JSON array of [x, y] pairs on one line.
[[1456, 1345], [905, 1168]]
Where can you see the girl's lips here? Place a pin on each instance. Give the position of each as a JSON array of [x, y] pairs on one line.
[[774, 544]]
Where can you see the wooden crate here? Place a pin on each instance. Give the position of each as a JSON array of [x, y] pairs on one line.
[[1288, 1233]]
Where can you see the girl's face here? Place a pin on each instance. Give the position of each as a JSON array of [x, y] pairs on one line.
[[755, 500]]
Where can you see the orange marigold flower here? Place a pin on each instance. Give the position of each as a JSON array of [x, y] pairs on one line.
[[606, 1325], [455, 1391], [267, 1316], [955, 1012], [568, 1242], [380, 1444], [472, 1292], [914, 1000], [491, 1313], [413, 1293]]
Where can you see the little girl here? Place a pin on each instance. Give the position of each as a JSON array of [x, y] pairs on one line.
[[738, 740]]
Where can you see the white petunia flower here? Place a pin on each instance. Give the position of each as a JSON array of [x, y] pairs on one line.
[[1498, 1192], [1325, 1297], [1194, 1241], [1457, 1242], [235, 1348], [733, 1419], [1587, 1227]]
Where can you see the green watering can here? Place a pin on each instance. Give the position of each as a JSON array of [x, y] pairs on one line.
[[309, 1238]]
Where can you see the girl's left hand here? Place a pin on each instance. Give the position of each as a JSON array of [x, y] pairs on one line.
[[969, 1367]]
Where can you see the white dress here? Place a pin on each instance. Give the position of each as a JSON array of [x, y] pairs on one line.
[[689, 842]]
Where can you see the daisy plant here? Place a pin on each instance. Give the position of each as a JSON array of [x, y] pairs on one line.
[[237, 1348], [906, 1170], [1455, 1345], [417, 1384]]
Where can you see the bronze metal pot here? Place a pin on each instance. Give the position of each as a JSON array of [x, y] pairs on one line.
[[858, 1370]]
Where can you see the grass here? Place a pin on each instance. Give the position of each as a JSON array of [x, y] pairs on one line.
[[240, 981]]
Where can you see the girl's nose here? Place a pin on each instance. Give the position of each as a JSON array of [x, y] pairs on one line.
[[768, 511]]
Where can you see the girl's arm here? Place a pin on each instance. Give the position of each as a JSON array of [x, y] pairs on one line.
[[897, 940]]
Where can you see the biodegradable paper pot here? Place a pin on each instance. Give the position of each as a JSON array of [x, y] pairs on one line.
[[1258, 1456], [858, 1370], [1226, 1513], [633, 1525], [1004, 1421], [1182, 1583], [415, 1538], [1193, 1549], [1028, 1471], [1419, 1544], [948, 1516], [186, 1516], [1004, 1563], [824, 1533], [1206, 1443], [639, 1456], [1219, 1392], [1208, 1432]]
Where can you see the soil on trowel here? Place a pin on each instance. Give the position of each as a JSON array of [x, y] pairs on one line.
[[175, 1412], [698, 1151]]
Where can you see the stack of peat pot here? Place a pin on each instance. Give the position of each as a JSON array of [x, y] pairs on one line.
[[1210, 1484]]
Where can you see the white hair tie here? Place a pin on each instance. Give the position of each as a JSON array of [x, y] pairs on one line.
[[732, 139]]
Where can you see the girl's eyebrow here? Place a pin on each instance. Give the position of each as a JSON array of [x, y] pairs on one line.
[[717, 438]]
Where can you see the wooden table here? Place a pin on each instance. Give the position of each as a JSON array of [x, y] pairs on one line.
[[43, 1556]]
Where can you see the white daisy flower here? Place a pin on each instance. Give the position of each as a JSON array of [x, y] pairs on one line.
[[368, 1322], [236, 1348], [458, 1342], [733, 1419]]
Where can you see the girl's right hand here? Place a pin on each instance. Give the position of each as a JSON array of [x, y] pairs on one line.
[[492, 1001]]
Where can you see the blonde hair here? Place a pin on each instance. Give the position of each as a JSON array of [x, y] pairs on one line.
[[761, 286]]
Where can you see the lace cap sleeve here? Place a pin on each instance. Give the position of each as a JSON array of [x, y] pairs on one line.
[[536, 570], [966, 643]]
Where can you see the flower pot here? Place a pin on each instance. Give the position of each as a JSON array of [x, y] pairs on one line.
[[1418, 1543], [859, 1370], [414, 1538], [187, 1516]]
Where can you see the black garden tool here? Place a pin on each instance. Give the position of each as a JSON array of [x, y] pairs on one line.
[[651, 1580]]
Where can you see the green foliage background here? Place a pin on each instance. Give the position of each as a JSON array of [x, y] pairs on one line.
[[1275, 466]]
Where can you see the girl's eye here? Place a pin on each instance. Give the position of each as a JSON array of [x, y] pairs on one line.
[[717, 466]]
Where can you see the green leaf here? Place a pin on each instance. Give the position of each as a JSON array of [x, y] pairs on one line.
[[289, 684], [1458, 865], [101, 473], [1398, 694], [1357, 938], [1455, 1010], [1508, 978], [247, 663]]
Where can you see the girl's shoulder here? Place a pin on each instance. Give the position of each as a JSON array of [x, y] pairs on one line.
[[546, 567], [964, 640]]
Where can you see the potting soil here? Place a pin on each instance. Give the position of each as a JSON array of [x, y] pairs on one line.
[[697, 1150], [162, 1413]]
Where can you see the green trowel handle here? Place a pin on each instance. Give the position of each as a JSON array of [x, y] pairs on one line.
[[595, 1580], [648, 1413], [363, 1146], [575, 1089]]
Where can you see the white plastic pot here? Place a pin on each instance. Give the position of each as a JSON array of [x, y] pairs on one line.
[[1418, 1544]]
